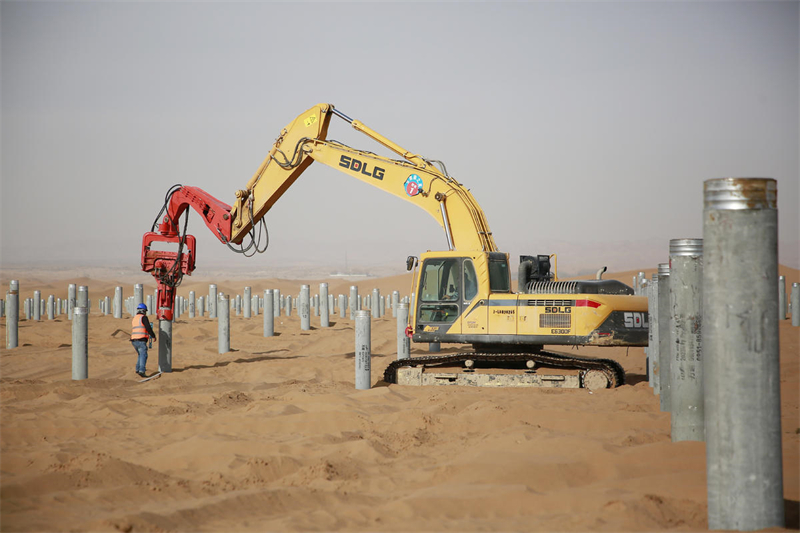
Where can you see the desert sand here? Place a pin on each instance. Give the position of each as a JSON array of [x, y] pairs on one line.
[[273, 436]]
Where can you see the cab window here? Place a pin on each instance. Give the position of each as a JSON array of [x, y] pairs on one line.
[[439, 290], [470, 280]]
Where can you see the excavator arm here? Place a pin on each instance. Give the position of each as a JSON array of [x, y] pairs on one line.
[[412, 178]]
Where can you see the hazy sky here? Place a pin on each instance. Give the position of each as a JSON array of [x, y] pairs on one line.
[[585, 129]]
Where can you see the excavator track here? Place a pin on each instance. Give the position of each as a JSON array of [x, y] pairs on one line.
[[612, 370]]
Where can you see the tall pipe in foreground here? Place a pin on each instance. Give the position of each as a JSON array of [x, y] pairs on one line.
[[741, 351]]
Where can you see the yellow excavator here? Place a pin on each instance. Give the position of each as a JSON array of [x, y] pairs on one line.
[[461, 295]]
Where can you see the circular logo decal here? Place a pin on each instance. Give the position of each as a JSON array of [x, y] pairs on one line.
[[413, 185]]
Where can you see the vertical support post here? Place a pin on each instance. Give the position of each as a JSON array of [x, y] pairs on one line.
[[316, 305], [80, 343], [224, 323], [248, 302], [37, 309], [331, 305], [83, 297], [664, 338], [165, 345], [71, 295], [781, 298], [212, 301], [288, 305], [201, 311], [403, 342], [277, 303], [255, 305], [303, 307], [740, 339], [382, 306], [28, 307], [138, 295], [117, 302], [395, 301], [51, 304], [342, 306], [686, 367], [353, 301], [375, 303], [363, 350], [12, 315], [652, 335], [269, 313], [324, 310], [106, 305], [796, 304], [192, 304]]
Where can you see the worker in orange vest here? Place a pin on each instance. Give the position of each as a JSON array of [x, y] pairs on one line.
[[141, 331]]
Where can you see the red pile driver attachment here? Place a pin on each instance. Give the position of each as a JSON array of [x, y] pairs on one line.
[[168, 267]]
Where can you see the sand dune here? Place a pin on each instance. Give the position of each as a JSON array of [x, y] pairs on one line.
[[272, 436]]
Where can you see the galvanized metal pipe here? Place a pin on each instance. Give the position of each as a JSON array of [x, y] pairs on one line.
[[742, 370], [37, 309], [375, 303], [192, 304], [12, 315], [80, 343], [781, 298], [652, 335], [83, 297], [71, 295], [106, 305], [363, 345], [342, 306], [304, 308], [796, 304], [224, 323], [51, 304], [353, 301], [403, 342], [117, 302], [165, 345], [288, 305], [395, 302], [138, 296], [212, 301], [278, 303], [269, 313], [686, 319], [248, 302], [664, 339], [324, 310]]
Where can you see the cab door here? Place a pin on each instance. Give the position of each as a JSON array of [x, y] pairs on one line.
[[439, 304], [473, 308]]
